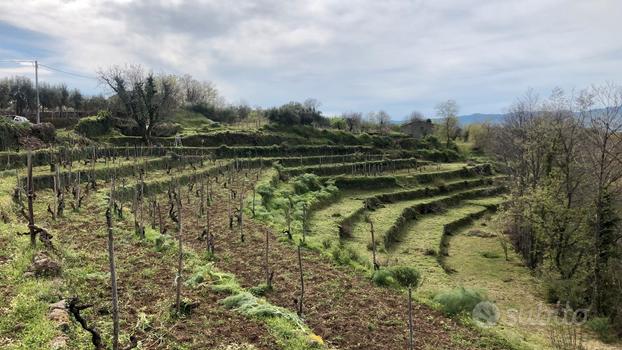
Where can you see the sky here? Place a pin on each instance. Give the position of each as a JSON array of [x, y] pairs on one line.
[[351, 55]]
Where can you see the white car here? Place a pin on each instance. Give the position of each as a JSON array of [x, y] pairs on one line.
[[20, 120]]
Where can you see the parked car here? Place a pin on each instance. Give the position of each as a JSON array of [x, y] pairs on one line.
[[18, 119]]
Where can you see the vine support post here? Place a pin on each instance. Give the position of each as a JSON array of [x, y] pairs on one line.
[[305, 221], [180, 261], [410, 318], [113, 275], [302, 283], [266, 262], [373, 243], [31, 194], [241, 214]]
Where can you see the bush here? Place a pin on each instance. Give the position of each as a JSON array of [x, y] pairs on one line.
[[295, 113], [165, 129], [459, 300], [571, 291], [490, 255], [397, 276], [344, 256], [218, 114], [307, 183], [406, 276], [95, 125], [11, 132], [603, 328], [46, 132], [384, 278], [266, 192], [260, 290]]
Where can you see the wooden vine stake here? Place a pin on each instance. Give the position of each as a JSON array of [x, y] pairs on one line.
[[373, 242], [113, 274], [305, 222], [302, 283], [180, 262], [410, 318], [202, 197], [288, 217], [241, 217], [54, 208], [31, 194], [269, 272], [254, 195]]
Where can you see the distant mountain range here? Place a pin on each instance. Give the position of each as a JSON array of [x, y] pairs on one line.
[[477, 118], [480, 118], [494, 118]]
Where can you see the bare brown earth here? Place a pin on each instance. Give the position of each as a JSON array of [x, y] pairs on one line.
[[343, 307], [145, 280]]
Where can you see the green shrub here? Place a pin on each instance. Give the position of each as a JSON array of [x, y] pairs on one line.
[[406, 276], [95, 125], [344, 255], [603, 328], [165, 129], [459, 300], [384, 278], [563, 291], [46, 132], [10, 133], [307, 183], [266, 192], [490, 255], [260, 290], [397, 276]]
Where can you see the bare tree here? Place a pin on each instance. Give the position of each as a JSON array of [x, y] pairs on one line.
[[195, 92], [353, 121], [415, 116], [602, 108], [384, 121], [146, 98], [448, 112]]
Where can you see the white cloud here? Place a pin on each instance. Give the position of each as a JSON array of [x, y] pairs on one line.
[[352, 55]]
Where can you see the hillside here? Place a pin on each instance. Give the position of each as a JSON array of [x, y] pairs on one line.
[[243, 210]]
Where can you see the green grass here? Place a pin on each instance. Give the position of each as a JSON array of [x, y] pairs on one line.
[[384, 217], [191, 122], [287, 328], [508, 283], [23, 320], [432, 168]]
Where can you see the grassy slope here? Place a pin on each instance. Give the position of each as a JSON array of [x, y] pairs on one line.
[[508, 283]]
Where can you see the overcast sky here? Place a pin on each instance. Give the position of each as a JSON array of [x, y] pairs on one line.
[[396, 55]]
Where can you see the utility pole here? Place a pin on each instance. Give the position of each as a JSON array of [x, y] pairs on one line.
[[37, 89]]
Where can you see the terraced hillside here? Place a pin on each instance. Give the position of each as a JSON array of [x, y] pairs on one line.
[[223, 261], [269, 247], [414, 214]]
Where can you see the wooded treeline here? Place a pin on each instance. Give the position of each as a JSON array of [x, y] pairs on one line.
[[564, 155], [18, 95]]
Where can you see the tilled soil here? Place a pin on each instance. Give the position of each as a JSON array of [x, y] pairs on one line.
[[344, 308], [151, 293]]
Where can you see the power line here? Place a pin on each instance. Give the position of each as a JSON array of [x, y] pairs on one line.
[[68, 73], [77, 75]]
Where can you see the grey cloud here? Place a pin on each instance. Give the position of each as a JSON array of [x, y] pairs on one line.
[[352, 55]]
